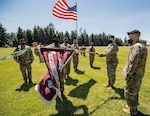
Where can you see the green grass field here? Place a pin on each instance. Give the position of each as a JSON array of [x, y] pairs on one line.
[[85, 94]]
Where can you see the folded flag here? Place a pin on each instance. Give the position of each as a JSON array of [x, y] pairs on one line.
[[55, 60]]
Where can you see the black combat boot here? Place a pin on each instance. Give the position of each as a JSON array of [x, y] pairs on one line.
[[30, 81], [25, 81]]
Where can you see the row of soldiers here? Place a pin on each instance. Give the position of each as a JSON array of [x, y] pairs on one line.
[[133, 71], [64, 74], [25, 60]]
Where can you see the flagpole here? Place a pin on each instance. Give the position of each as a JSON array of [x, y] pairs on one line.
[[77, 30], [77, 25]]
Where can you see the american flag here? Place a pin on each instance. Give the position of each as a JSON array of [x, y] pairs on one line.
[[63, 10]]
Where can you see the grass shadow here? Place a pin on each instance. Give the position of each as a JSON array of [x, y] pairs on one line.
[[96, 68], [25, 87], [79, 71], [101, 105], [141, 114], [119, 92], [71, 81], [82, 90], [66, 108]]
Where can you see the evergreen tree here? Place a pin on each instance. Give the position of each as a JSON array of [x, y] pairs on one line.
[[44, 35], [3, 36], [29, 37], [72, 36], [20, 33], [35, 34]]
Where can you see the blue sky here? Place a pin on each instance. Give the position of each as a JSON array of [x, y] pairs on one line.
[[115, 17]]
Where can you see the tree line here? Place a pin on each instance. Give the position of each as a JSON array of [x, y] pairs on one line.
[[44, 36]]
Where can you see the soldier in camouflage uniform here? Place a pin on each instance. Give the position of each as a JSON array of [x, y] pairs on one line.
[[56, 44], [25, 60], [82, 50], [134, 72], [68, 65], [75, 55], [91, 54], [111, 61], [41, 59]]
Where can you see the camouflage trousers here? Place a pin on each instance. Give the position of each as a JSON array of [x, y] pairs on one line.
[[26, 71], [132, 89], [75, 61], [111, 72], [60, 85], [41, 59], [67, 68], [91, 58]]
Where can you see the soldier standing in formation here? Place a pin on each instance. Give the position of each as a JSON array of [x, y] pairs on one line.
[[134, 72], [56, 44], [41, 59], [68, 65], [25, 60], [82, 50], [75, 55], [111, 61], [91, 54]]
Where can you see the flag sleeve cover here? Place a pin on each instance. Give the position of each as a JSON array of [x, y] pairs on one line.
[[55, 60], [62, 10]]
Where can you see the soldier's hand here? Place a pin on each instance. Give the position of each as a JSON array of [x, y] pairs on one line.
[[97, 53], [101, 55]]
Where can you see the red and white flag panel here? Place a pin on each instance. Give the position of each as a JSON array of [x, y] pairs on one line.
[[55, 60]]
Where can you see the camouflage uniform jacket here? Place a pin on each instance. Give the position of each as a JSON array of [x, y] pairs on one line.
[[65, 45], [25, 58], [111, 53], [135, 65], [91, 49], [76, 48], [53, 46], [48, 46]]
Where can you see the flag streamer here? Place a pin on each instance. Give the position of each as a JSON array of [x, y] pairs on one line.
[[15, 54]]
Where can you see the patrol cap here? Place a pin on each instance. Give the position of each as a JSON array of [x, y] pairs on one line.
[[91, 43], [56, 36], [133, 31], [22, 40], [66, 38], [111, 36]]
